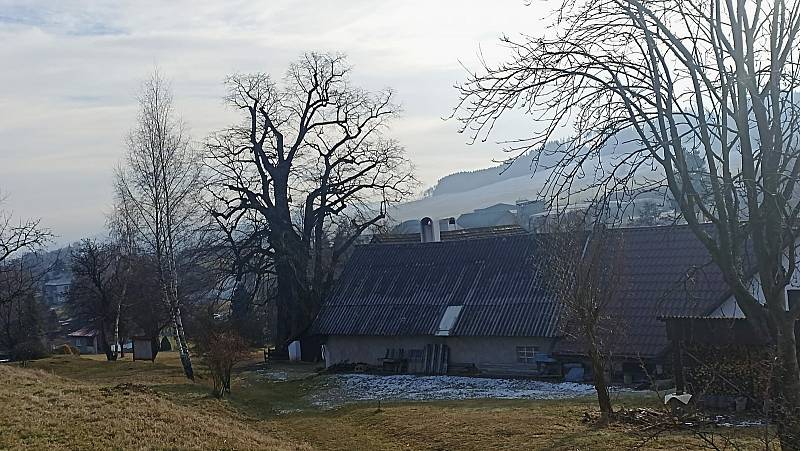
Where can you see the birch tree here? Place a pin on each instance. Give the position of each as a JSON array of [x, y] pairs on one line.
[[644, 85], [158, 190]]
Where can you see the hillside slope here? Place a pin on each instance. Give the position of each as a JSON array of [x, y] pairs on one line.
[[43, 411], [454, 204]]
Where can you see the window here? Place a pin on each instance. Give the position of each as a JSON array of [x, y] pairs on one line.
[[526, 354], [792, 297], [448, 320]]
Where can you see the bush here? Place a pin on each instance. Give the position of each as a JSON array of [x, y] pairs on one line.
[[223, 351], [66, 349], [28, 350], [166, 345]]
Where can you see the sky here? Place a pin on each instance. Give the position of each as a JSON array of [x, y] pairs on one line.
[[70, 71]]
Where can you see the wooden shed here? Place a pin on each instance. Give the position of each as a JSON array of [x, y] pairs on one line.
[[144, 348]]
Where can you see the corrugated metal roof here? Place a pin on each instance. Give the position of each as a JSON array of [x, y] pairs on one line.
[[402, 287], [87, 331], [405, 288], [666, 272]]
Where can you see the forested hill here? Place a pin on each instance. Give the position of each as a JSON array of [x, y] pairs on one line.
[[469, 180], [463, 192]]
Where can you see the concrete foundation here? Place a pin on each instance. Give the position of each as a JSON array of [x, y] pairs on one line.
[[484, 353]]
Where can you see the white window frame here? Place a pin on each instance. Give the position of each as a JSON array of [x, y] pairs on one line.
[[526, 353]]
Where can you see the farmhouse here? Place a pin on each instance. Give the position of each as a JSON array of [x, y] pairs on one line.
[[479, 299]]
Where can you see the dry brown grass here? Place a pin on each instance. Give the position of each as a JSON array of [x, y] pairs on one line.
[[484, 425], [43, 411], [79, 407]]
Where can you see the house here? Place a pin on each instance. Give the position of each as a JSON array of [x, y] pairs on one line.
[[86, 340], [665, 271], [481, 296], [56, 290], [495, 215], [471, 295]]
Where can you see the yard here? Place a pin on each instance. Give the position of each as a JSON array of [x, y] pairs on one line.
[[86, 403]]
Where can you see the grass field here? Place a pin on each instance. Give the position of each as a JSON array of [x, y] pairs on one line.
[[69, 402]]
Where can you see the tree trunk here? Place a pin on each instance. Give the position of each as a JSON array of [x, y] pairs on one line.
[[177, 328], [227, 386], [169, 287], [787, 405], [154, 347], [183, 346], [292, 286], [117, 341], [286, 305], [106, 349], [600, 383]]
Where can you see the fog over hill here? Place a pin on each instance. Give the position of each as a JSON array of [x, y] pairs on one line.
[[463, 192], [482, 194], [466, 191]]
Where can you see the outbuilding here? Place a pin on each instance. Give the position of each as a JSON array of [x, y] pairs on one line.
[[86, 340]]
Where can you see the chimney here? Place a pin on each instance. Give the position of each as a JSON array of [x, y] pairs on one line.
[[447, 224], [429, 230]]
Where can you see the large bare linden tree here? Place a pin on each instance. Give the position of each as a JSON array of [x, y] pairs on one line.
[[308, 169], [648, 86]]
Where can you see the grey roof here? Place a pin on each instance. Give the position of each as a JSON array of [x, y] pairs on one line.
[[666, 272], [398, 286], [404, 288]]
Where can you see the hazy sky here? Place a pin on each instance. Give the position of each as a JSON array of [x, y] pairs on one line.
[[69, 71]]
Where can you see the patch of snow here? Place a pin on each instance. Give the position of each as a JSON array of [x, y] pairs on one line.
[[280, 376], [343, 388], [732, 422]]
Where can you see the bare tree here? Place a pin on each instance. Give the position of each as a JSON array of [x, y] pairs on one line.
[[645, 85], [20, 236], [123, 237], [95, 295], [158, 191], [309, 156], [20, 275], [20, 315], [143, 298], [247, 261], [583, 259]]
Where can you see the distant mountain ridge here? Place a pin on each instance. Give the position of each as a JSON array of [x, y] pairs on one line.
[[465, 191], [506, 183], [469, 180]]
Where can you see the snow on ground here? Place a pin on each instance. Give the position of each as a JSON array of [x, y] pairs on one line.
[[275, 376], [343, 388]]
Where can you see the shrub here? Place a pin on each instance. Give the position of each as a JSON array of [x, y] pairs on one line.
[[223, 351], [28, 350]]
